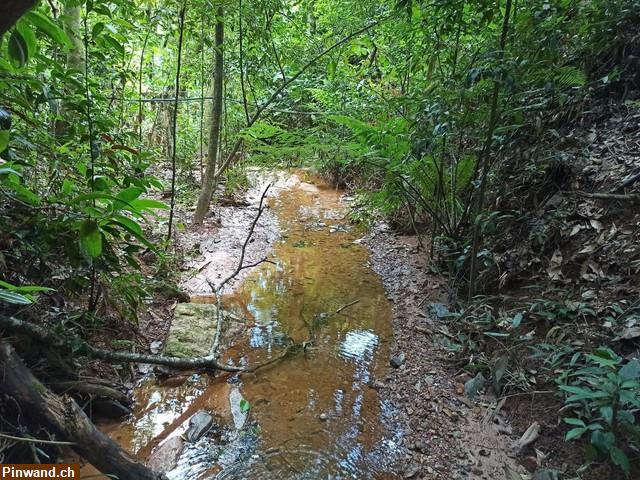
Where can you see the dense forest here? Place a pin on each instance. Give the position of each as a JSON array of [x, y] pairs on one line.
[[440, 194]]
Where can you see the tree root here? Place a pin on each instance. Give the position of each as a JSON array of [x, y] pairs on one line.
[[65, 419], [77, 345]]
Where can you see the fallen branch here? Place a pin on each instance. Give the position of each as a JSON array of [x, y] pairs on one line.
[[77, 345], [627, 183], [218, 290], [65, 419], [241, 265], [628, 197], [91, 389]]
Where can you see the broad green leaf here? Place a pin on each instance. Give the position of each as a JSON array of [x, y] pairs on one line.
[[574, 433], [603, 441], [91, 238], [619, 458], [517, 320], [97, 29], [574, 421], [46, 26], [572, 389], [13, 297], [606, 413], [25, 288], [245, 406], [129, 224], [496, 334], [625, 416], [18, 50], [4, 143], [27, 195], [67, 186], [127, 195], [112, 42], [29, 38], [146, 204], [587, 396], [134, 229], [631, 371]]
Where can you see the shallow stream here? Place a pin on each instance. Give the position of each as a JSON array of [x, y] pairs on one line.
[[314, 413]]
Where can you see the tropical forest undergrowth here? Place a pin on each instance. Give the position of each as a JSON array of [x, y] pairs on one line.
[[503, 134]]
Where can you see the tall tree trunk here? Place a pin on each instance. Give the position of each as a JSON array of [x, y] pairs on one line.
[[71, 23], [75, 61], [174, 122], [208, 184]]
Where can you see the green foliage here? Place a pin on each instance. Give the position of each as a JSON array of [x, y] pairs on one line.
[[20, 295], [236, 180], [604, 396]]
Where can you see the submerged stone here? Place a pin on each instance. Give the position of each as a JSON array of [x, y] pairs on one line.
[[165, 457], [199, 424], [237, 411], [192, 330]]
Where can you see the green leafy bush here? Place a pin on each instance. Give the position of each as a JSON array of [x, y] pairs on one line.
[[604, 396]]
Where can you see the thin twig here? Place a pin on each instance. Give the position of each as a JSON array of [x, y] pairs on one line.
[[174, 122], [218, 290], [35, 440], [629, 197], [535, 392], [345, 307]]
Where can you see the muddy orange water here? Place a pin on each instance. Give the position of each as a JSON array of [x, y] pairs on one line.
[[313, 414]]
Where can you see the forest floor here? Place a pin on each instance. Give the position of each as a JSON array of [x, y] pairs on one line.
[[447, 436]]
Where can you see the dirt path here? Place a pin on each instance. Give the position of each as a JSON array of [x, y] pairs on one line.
[[446, 435]]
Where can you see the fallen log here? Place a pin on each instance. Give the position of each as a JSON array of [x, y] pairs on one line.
[[620, 197], [79, 346], [64, 418]]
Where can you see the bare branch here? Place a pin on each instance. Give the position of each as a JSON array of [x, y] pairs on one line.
[[629, 197], [78, 345], [344, 307], [241, 265], [34, 440]]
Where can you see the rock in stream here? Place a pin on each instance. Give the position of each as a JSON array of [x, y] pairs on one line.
[[199, 424]]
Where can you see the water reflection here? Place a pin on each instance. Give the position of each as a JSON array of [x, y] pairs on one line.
[[313, 414], [359, 345]]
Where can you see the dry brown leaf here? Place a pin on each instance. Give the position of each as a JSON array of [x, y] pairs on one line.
[[555, 266]]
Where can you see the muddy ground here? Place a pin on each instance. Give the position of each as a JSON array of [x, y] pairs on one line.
[[446, 435]]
